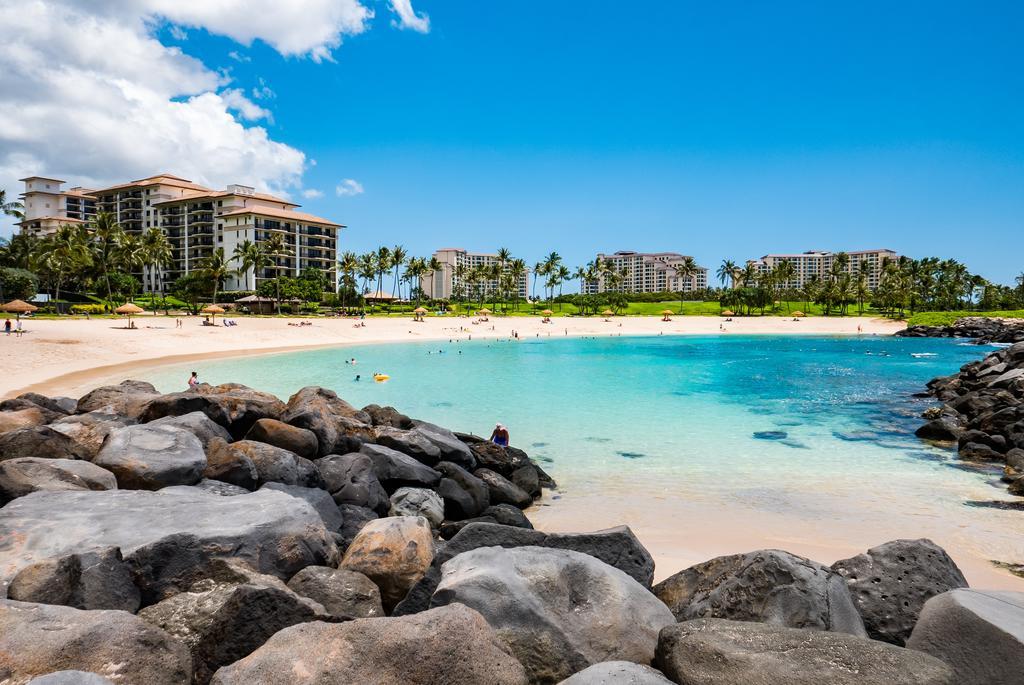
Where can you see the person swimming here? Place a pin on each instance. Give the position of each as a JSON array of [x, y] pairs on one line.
[[500, 436]]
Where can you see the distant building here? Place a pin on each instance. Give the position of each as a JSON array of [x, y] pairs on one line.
[[450, 280], [817, 264], [196, 220], [649, 272]]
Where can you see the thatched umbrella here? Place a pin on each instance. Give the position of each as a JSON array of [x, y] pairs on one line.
[[728, 312], [606, 313], [485, 311], [665, 314], [214, 310], [419, 312], [19, 307], [547, 312], [129, 309], [798, 314]]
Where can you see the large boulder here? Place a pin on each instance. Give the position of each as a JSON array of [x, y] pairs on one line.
[[355, 517], [979, 634], [352, 479], [617, 673], [40, 441], [148, 457], [942, 429], [387, 416], [891, 582], [13, 418], [415, 444], [394, 553], [452, 449], [198, 424], [57, 405], [504, 460], [617, 547], [316, 498], [301, 441], [230, 465], [717, 652], [90, 430], [166, 537], [418, 502], [36, 639], [767, 586], [502, 490], [324, 413], [395, 469], [344, 594], [465, 496], [451, 645], [234, 406], [94, 579], [19, 477], [128, 398], [276, 465], [501, 514], [222, 622], [558, 611]]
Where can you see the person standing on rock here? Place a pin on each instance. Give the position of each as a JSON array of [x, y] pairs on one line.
[[499, 436], [193, 380]]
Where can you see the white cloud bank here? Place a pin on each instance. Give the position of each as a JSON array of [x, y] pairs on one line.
[[408, 18], [88, 93], [348, 188]]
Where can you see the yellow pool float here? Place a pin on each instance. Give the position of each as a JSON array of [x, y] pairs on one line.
[[381, 377]]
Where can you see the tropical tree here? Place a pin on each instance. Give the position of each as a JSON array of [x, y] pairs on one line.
[[67, 251], [367, 269], [686, 269], [398, 259], [382, 265], [129, 258], [106, 233], [276, 249], [727, 272], [217, 268], [156, 253], [13, 208], [249, 255], [348, 267]]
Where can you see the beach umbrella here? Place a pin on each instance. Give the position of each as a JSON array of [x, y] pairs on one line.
[[213, 309], [607, 312], [667, 312], [547, 312], [799, 314], [129, 309], [728, 312], [485, 311], [419, 310], [19, 307]]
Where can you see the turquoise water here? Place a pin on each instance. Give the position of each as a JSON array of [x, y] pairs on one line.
[[813, 430]]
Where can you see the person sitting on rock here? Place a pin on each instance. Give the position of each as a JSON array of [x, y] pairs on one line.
[[499, 436]]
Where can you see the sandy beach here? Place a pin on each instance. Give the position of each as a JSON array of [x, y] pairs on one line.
[[71, 356]]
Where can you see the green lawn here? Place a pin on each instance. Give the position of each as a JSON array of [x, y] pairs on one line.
[[633, 309], [947, 318]]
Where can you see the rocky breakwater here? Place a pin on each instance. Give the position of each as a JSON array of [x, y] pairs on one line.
[[983, 329], [225, 536], [982, 413]]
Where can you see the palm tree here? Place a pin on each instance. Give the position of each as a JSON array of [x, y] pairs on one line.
[[156, 252], [382, 264], [686, 269], [250, 255], [398, 257], [276, 250], [67, 250], [517, 272], [106, 232], [217, 268], [367, 269], [348, 266], [538, 270], [727, 272], [129, 256], [415, 270], [461, 270], [12, 208], [551, 264]]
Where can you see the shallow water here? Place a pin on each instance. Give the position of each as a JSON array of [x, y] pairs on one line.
[[770, 439]]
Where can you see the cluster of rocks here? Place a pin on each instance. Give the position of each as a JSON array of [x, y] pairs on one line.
[[985, 330], [982, 411], [223, 536]]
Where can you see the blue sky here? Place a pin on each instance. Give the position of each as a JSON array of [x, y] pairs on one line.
[[720, 131]]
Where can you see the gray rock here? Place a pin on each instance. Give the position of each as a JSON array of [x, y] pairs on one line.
[[355, 518], [502, 490], [324, 413], [198, 424], [15, 414], [387, 416], [768, 586], [299, 441], [19, 477], [720, 652], [503, 460], [128, 398], [351, 479], [96, 579], [36, 639], [452, 449], [213, 487], [230, 465], [317, 498], [40, 441], [452, 645], [276, 465], [221, 623], [617, 673], [418, 502], [891, 582], [394, 553], [528, 478], [558, 611], [90, 430], [345, 595], [395, 469], [465, 495], [617, 547], [507, 515], [166, 536], [70, 678], [943, 429], [502, 514], [57, 405], [414, 444], [234, 406], [149, 458], [980, 634]]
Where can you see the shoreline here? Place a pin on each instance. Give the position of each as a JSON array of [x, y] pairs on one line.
[[72, 356]]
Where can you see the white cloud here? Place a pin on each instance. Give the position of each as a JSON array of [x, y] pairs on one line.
[[239, 57], [349, 187], [408, 18], [312, 193], [178, 33], [263, 92], [235, 99]]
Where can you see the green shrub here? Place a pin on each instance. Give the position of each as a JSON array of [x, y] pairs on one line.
[[87, 309]]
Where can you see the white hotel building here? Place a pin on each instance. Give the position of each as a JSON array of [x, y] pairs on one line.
[[447, 282], [649, 272], [817, 264], [196, 220]]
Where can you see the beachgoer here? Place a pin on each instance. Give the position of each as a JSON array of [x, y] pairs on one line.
[[357, 376], [193, 380], [7, 326], [499, 436], [18, 330]]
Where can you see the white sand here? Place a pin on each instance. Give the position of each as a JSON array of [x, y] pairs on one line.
[[71, 356]]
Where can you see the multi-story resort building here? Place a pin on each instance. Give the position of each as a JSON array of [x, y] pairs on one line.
[[816, 264], [450, 281], [649, 272], [196, 220]]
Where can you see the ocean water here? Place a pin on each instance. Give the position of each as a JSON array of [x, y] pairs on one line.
[[810, 434]]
